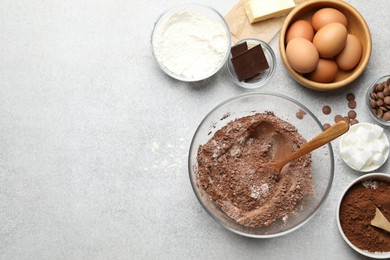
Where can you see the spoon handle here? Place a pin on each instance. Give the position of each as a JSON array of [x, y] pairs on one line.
[[328, 135]]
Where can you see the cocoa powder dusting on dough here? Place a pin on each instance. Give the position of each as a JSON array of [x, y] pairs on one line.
[[234, 169]]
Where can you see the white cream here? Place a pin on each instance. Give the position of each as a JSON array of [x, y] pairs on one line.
[[190, 44], [365, 147]]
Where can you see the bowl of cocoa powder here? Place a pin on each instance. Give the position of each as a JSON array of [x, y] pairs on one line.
[[356, 209], [230, 165], [378, 100]]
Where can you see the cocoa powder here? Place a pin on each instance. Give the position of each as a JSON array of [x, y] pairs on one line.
[[234, 169], [357, 209]]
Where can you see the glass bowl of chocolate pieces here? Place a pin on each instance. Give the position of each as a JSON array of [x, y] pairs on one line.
[[378, 100], [231, 172], [251, 63]]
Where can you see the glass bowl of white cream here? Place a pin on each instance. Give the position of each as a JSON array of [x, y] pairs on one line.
[[191, 42]]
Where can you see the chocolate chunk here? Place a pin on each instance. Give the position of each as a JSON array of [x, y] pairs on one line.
[[250, 63], [238, 49], [386, 91], [300, 114], [352, 104]]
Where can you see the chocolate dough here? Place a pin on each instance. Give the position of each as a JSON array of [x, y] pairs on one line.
[[234, 169]]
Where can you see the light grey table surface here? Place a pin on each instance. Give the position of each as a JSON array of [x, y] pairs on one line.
[[94, 138]]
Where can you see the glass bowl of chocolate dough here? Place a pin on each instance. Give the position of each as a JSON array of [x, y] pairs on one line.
[[230, 165]]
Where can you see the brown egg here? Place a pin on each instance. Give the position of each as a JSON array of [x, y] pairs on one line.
[[300, 29], [325, 72], [302, 55], [350, 56], [330, 39], [325, 16]]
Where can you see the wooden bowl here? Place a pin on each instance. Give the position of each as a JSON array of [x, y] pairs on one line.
[[356, 26]]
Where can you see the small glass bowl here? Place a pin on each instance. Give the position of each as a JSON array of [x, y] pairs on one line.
[[264, 76], [366, 177], [353, 129], [368, 97], [208, 12]]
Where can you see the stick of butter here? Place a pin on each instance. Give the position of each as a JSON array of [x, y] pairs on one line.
[[260, 10]]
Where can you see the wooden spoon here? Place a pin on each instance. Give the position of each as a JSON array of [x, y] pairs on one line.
[[380, 221], [325, 137]]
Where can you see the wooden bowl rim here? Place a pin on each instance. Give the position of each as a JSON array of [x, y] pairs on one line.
[[325, 86]]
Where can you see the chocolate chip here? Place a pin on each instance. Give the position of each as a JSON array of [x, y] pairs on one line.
[[352, 114], [384, 108], [300, 114], [326, 126], [379, 113], [387, 100], [386, 91], [380, 95], [352, 104], [379, 102], [386, 116], [350, 96], [373, 95], [354, 121], [338, 118], [326, 110]]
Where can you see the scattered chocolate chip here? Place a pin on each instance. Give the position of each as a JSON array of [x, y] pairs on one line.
[[350, 96], [326, 126], [250, 63], [326, 110], [379, 102], [352, 104], [346, 119], [300, 114], [354, 121], [238, 49], [352, 114], [372, 103], [338, 118]]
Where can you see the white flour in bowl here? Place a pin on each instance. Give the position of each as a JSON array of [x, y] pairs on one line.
[[189, 44]]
